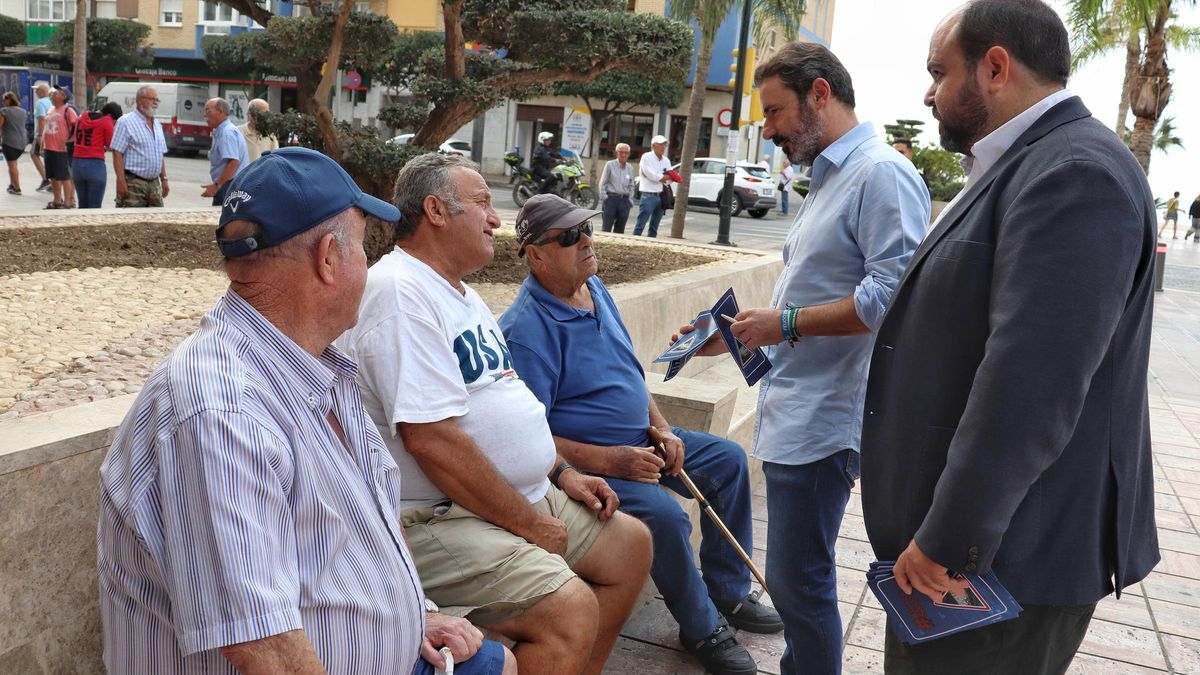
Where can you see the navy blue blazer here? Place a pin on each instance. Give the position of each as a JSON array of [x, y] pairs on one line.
[[1006, 422]]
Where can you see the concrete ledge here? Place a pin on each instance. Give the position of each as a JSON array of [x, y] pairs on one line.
[[49, 614]]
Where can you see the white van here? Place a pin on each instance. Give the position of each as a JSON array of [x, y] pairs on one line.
[[180, 109]]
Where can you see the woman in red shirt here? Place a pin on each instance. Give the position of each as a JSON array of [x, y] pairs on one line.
[[93, 134]]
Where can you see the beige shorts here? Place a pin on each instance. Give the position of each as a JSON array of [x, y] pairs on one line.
[[478, 570]]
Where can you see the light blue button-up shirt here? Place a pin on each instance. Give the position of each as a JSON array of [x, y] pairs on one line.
[[142, 145], [228, 143], [231, 511], [865, 214]]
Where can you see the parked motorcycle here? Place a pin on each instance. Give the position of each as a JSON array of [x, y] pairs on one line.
[[570, 184]]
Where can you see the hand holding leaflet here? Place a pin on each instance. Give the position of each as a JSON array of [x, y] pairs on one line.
[[916, 618]]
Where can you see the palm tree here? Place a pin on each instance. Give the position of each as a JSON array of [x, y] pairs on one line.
[[1164, 136], [708, 15], [1147, 29]]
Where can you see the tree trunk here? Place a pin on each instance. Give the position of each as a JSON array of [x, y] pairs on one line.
[[1152, 89], [79, 58], [1133, 55], [691, 132], [435, 130], [599, 119], [306, 87], [320, 97]]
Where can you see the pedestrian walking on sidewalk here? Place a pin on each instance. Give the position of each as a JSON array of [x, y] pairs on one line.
[[93, 136], [13, 137], [41, 91], [1194, 214], [1172, 217], [652, 176], [60, 125], [138, 147], [228, 153], [616, 191]]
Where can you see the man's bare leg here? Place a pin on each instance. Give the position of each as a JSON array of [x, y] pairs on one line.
[[555, 635], [616, 567]]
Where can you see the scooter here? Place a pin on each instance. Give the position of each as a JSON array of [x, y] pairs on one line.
[[569, 183]]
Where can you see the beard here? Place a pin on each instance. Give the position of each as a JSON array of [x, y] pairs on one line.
[[964, 126], [147, 111], [803, 146]]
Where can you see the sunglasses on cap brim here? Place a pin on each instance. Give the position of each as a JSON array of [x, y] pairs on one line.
[[568, 237]]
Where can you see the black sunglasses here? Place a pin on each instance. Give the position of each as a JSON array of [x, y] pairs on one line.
[[568, 237]]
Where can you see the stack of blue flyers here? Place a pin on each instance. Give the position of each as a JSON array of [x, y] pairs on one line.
[[916, 618], [752, 362]]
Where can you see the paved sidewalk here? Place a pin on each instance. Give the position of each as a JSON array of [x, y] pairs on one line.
[[183, 194], [1154, 627]]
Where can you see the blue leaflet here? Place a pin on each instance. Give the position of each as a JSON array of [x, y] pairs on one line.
[[752, 362], [916, 619]]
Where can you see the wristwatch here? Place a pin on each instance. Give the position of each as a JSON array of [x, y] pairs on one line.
[[558, 471]]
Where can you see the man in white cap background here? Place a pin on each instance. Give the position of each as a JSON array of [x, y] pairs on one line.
[[652, 175]]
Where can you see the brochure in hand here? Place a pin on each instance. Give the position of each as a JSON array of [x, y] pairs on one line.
[[752, 362], [916, 618]]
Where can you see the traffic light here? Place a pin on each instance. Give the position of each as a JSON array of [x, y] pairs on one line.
[[748, 84], [756, 111]]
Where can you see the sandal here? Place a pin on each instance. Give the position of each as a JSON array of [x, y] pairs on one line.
[[68, 206], [54, 205]]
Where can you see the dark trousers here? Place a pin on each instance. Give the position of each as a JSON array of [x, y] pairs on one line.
[[615, 213], [1042, 641], [806, 503]]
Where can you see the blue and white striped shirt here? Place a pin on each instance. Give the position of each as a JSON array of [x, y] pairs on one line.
[[228, 143], [231, 511], [141, 148]]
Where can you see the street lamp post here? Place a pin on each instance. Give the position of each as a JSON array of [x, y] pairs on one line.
[[735, 134]]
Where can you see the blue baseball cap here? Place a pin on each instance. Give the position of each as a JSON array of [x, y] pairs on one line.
[[289, 191]]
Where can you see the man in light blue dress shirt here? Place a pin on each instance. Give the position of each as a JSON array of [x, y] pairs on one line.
[[865, 214], [228, 154]]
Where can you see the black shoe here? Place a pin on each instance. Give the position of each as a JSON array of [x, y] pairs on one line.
[[720, 653], [13, 191], [45, 186], [751, 615]]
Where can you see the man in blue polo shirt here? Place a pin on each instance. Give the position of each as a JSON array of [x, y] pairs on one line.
[[570, 347]]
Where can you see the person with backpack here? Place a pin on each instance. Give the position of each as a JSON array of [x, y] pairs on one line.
[[60, 124]]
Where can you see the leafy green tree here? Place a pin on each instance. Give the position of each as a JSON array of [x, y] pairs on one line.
[[906, 130], [1147, 29], [616, 92], [301, 46], [530, 46], [941, 169], [111, 43], [708, 16], [12, 32]]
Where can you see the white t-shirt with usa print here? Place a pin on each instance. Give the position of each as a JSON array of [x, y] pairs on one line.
[[427, 353]]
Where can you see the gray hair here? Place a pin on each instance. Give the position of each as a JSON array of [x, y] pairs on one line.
[[296, 248], [221, 104], [422, 176], [620, 146], [258, 103], [143, 91], [41, 85]]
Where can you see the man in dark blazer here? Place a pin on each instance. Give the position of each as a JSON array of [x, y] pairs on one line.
[[1006, 423]]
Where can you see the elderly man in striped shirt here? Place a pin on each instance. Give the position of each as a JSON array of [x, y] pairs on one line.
[[248, 505]]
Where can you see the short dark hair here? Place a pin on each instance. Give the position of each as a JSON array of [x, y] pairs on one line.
[[798, 64], [1028, 29], [113, 110]]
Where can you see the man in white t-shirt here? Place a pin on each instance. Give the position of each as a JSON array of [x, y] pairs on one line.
[[503, 531], [652, 175]]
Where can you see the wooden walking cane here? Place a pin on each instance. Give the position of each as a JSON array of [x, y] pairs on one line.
[[657, 441]]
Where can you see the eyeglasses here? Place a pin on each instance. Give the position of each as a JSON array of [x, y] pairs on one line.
[[568, 237], [147, 98]]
